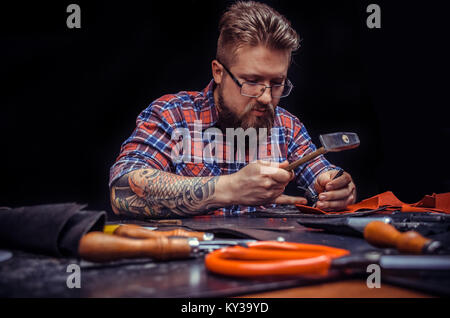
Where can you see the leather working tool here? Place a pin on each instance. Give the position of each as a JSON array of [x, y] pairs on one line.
[[423, 223], [330, 143], [263, 259], [378, 231], [353, 226], [313, 198], [132, 241], [382, 235], [272, 258], [136, 231]]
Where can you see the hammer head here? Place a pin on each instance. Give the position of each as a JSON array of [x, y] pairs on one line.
[[339, 141]]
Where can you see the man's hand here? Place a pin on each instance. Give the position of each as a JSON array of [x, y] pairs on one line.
[[261, 183], [334, 195]]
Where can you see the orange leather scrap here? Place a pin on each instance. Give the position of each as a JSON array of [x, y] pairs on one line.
[[429, 203]]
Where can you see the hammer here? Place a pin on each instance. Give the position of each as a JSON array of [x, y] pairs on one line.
[[333, 142]]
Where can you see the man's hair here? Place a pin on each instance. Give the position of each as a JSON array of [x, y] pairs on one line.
[[253, 23]]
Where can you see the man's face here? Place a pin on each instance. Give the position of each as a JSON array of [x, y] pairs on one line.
[[252, 64]]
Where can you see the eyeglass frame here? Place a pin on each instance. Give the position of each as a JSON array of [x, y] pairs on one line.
[[252, 83]]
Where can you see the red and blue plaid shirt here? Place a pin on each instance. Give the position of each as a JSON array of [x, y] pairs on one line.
[[152, 143]]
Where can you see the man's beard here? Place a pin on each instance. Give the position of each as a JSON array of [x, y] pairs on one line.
[[229, 119]]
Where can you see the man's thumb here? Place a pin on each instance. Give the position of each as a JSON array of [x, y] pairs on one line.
[[323, 179], [284, 164], [321, 182]]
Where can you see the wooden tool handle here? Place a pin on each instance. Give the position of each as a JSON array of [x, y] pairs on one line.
[[100, 247], [381, 234], [136, 231], [306, 158]]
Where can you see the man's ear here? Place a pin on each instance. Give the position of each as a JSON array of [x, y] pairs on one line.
[[217, 71]]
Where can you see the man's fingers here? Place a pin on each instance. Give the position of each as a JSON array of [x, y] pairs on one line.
[[336, 194], [338, 199], [339, 182], [274, 171], [265, 163], [336, 205], [281, 176], [284, 164], [287, 199], [323, 179]]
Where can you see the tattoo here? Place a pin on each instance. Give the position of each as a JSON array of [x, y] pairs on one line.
[[156, 193]]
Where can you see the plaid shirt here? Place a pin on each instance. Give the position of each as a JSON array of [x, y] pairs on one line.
[[156, 143]]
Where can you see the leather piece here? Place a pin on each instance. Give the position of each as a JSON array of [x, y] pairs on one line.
[[429, 203], [229, 230], [53, 229], [292, 211], [78, 225], [245, 226]]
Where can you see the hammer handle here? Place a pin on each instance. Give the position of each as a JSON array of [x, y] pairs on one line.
[[381, 234], [136, 231], [306, 158], [101, 247]]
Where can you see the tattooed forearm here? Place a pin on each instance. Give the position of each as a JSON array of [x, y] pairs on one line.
[[156, 193]]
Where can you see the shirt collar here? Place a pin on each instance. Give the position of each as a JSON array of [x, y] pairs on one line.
[[208, 93]]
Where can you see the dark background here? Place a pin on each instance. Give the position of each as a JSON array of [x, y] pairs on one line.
[[70, 97]]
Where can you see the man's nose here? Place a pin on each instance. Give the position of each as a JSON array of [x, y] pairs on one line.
[[266, 97]]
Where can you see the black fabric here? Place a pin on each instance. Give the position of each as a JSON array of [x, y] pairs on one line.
[[78, 225], [53, 229]]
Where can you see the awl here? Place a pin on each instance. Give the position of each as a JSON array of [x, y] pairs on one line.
[[378, 231]]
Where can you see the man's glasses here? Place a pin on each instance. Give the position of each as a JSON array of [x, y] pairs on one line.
[[251, 89]]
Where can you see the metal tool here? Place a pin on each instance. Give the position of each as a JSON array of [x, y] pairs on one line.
[[340, 173], [263, 259], [400, 263], [100, 247], [353, 226], [353, 223], [199, 247], [420, 217], [330, 143], [378, 231]]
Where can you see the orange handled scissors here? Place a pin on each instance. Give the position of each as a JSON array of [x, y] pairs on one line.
[[272, 258]]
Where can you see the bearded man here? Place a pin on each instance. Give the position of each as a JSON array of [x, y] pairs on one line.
[[254, 51]]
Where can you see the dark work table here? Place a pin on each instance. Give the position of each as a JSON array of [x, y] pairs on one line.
[[32, 275]]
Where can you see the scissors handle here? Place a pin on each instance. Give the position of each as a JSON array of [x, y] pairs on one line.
[[272, 258]]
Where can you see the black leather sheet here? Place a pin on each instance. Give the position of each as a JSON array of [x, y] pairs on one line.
[[53, 229]]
